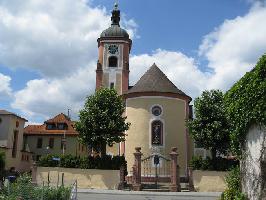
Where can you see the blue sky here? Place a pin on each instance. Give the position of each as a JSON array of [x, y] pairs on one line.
[[48, 49], [176, 25]]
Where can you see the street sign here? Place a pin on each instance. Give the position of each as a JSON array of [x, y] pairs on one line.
[[56, 159]]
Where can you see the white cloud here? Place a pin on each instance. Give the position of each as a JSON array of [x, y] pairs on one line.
[[5, 89], [230, 50], [179, 68], [49, 97], [234, 47], [55, 38], [131, 26]]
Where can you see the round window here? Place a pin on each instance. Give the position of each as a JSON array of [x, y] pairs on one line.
[[156, 110]]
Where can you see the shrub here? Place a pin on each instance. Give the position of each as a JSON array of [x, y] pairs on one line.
[[60, 193], [196, 162], [47, 161], [24, 189], [233, 182], [221, 164], [69, 161]]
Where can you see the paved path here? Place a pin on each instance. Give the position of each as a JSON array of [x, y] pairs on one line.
[[126, 195]]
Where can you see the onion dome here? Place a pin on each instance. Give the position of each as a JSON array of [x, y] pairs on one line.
[[115, 30]]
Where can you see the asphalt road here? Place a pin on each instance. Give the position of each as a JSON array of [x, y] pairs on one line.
[[146, 196]]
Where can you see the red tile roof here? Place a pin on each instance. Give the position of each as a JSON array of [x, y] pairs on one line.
[[41, 129], [58, 119]]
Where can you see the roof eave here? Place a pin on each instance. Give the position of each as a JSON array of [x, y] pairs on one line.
[[156, 93]]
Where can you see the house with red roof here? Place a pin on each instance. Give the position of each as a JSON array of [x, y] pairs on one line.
[[55, 136]]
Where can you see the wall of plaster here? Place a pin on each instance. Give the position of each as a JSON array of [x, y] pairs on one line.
[[253, 163], [209, 181], [86, 178]]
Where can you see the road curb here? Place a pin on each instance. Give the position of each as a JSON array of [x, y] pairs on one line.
[[120, 192]]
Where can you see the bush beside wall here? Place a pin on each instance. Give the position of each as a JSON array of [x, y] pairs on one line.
[[221, 164], [233, 182], [23, 189], [70, 161]]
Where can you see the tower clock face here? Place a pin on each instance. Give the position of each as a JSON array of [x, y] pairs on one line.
[[113, 49]]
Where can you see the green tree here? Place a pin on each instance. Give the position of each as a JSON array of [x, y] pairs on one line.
[[101, 121], [210, 127], [246, 104]]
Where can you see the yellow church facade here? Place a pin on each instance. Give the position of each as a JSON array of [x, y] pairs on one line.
[[155, 107]]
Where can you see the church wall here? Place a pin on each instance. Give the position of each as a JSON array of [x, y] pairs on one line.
[[100, 52], [118, 83], [106, 79], [138, 111]]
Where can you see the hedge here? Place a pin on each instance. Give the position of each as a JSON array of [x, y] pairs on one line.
[[89, 162], [221, 164]]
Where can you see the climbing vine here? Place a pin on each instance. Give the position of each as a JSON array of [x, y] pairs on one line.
[[246, 103]]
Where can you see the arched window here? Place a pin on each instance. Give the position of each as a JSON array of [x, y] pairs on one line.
[[157, 132], [112, 61]]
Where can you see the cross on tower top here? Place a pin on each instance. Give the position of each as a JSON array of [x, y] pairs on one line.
[[115, 15]]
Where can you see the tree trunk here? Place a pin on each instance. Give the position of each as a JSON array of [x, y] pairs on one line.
[[213, 152], [103, 149]]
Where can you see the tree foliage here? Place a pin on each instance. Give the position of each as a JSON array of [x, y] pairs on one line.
[[246, 103], [233, 182], [101, 121], [210, 127]]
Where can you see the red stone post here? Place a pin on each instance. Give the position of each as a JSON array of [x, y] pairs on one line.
[[190, 179], [122, 183], [34, 173], [137, 166], [175, 177]]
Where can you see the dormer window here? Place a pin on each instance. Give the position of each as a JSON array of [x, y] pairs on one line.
[[62, 126], [50, 126], [112, 61]]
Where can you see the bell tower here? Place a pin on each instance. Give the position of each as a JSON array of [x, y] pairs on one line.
[[114, 47]]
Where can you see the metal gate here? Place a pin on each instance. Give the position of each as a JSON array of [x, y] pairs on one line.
[[156, 168]]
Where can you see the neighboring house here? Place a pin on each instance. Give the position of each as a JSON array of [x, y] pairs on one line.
[[55, 136], [11, 141]]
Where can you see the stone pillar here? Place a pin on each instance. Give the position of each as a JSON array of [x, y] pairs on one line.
[[122, 183], [34, 173], [190, 179], [175, 177], [137, 166]]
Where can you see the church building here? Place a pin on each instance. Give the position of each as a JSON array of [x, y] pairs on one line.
[[155, 107]]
